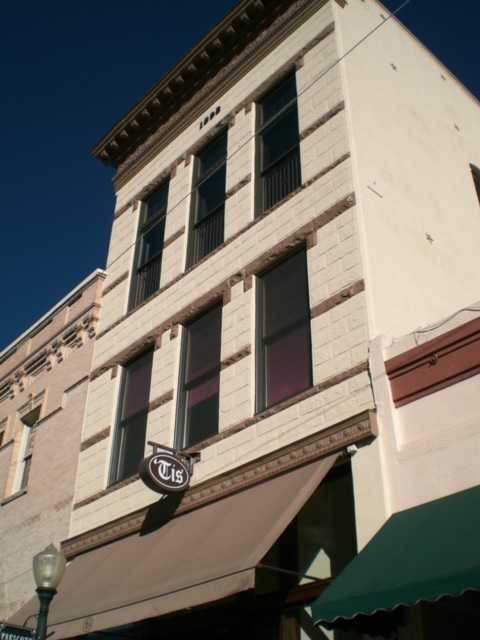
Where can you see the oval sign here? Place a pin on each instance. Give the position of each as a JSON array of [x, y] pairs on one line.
[[164, 471]]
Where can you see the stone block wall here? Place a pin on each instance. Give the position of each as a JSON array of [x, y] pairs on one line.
[[320, 215]]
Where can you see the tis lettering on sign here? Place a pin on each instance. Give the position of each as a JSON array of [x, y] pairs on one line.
[[167, 472]]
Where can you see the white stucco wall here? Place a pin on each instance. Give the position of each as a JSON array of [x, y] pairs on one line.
[[414, 131], [430, 447]]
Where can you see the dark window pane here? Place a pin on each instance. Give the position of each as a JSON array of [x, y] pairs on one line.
[[208, 200], [288, 368], [157, 205], [278, 145], [148, 255], [129, 444], [278, 100], [137, 385], [212, 156], [204, 344], [202, 411], [200, 382], [285, 294], [203, 391], [211, 193], [153, 241], [284, 342], [280, 138]]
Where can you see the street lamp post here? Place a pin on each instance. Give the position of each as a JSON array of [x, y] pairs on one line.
[[48, 568]]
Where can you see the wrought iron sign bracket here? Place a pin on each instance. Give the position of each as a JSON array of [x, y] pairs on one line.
[[190, 459]]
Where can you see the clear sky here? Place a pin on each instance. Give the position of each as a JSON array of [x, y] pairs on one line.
[[69, 70]]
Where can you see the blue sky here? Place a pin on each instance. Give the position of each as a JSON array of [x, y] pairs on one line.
[[69, 70]]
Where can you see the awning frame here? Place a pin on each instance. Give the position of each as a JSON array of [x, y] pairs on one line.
[[202, 556], [420, 554]]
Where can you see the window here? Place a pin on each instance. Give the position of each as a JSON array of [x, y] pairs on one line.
[[278, 145], [200, 380], [148, 256], [130, 435], [208, 199], [284, 344], [29, 421], [320, 542]]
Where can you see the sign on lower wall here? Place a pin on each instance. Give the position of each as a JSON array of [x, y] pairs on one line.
[[165, 472], [11, 632]]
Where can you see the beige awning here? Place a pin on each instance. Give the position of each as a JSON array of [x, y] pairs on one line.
[[199, 557]]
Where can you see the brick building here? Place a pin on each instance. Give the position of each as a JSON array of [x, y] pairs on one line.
[[43, 387], [283, 197]]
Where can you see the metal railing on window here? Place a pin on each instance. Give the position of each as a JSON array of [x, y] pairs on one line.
[[209, 234], [281, 179], [148, 278]]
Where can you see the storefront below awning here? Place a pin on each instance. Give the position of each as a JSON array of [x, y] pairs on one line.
[[199, 557], [423, 553]]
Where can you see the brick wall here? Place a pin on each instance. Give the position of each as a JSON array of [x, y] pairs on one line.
[[40, 514]]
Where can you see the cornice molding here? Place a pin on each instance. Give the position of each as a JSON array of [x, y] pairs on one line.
[[51, 353], [330, 440], [247, 33], [246, 105]]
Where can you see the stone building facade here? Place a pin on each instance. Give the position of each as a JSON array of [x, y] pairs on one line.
[[43, 386]]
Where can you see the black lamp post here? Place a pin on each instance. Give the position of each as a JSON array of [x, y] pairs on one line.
[[48, 568]]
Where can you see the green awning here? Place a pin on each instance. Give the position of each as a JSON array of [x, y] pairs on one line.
[[422, 553]]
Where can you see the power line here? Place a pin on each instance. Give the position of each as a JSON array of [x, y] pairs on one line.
[[252, 137]]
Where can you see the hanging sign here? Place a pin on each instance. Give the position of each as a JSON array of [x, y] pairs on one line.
[[164, 472], [12, 632]]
